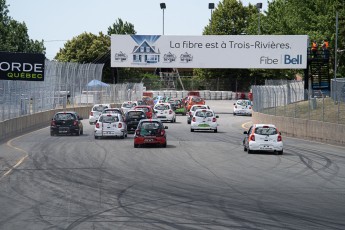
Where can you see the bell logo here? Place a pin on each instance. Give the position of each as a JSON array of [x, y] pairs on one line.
[[293, 60]]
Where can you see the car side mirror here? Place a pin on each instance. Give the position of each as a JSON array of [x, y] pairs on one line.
[[165, 127], [245, 132]]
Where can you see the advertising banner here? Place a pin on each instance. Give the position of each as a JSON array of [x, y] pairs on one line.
[[210, 51], [21, 66]]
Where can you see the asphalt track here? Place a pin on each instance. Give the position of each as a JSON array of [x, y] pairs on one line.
[[202, 180]]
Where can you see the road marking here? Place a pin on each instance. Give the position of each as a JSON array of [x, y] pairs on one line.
[[21, 160], [244, 125]]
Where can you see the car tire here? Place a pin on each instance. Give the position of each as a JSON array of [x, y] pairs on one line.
[[51, 133], [136, 145], [215, 130], [82, 132], [192, 130], [123, 136], [164, 145], [280, 152], [250, 151]]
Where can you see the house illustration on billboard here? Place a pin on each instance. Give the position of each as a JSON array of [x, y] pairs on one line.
[[145, 54]]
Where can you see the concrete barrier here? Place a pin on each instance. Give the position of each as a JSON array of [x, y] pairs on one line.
[[306, 129], [20, 125]]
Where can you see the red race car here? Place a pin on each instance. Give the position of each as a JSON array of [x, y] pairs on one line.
[[147, 109], [150, 132]]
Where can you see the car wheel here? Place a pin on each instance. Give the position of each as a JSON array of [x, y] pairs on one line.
[[174, 119], [215, 130], [280, 152], [82, 132], [51, 133], [136, 146], [123, 136], [250, 151], [164, 145], [192, 130]]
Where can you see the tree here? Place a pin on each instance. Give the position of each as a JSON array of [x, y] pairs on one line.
[[229, 18], [14, 35], [84, 48], [119, 27]]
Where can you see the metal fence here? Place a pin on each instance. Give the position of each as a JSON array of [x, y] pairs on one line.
[[65, 85], [290, 99]]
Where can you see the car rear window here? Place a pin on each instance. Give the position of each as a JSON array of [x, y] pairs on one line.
[[136, 114], [204, 114], [198, 107], [197, 99], [64, 116], [109, 119], [99, 108], [144, 109], [162, 107], [150, 125], [265, 131], [128, 105]]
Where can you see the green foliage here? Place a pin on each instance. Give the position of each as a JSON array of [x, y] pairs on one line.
[[120, 27], [84, 48], [14, 35]]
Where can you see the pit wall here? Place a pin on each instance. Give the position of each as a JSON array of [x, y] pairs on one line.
[[305, 129]]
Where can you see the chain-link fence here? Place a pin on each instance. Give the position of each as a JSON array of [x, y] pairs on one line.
[[65, 85], [290, 99]]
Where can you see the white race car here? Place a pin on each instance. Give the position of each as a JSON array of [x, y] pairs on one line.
[[243, 107]]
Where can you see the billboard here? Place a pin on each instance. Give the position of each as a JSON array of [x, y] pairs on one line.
[[21, 66], [210, 51]]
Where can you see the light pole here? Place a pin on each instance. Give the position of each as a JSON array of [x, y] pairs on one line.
[[211, 7], [163, 7], [259, 7]]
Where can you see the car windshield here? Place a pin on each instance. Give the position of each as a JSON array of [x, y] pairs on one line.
[[99, 108], [64, 116], [265, 131], [109, 119], [204, 114], [162, 107]]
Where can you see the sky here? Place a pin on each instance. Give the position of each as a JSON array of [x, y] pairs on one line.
[[58, 21]]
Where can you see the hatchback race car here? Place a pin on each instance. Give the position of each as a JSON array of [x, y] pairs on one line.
[[133, 117], [263, 137], [150, 132], [243, 107], [128, 105], [66, 123], [192, 111], [96, 111], [204, 119], [164, 112], [110, 125]]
